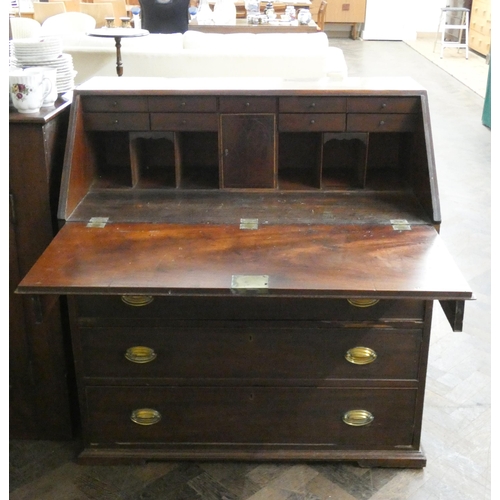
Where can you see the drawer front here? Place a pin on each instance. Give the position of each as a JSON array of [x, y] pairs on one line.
[[381, 122], [185, 104], [479, 42], [309, 122], [246, 351], [129, 104], [237, 104], [250, 415], [144, 310], [383, 105], [184, 121], [315, 104], [116, 121]]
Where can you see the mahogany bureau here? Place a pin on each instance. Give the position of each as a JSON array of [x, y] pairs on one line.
[[250, 269]]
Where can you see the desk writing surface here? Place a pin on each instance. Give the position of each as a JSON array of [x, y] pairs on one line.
[[365, 260]]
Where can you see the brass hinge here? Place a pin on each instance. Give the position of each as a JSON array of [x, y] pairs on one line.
[[400, 225], [97, 222], [249, 223]]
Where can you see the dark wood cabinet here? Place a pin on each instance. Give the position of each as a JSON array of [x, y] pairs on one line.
[[39, 345], [250, 274]]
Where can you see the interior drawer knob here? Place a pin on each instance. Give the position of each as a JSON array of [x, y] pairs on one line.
[[145, 416], [363, 302], [140, 354], [137, 300], [357, 418], [361, 355]]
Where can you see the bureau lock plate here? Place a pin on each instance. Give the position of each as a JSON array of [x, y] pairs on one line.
[[248, 282]]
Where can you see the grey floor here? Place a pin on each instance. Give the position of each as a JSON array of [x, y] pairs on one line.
[[456, 428]]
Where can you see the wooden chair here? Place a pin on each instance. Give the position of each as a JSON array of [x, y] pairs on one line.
[[71, 5], [320, 17], [24, 27], [44, 10], [99, 11], [119, 8]]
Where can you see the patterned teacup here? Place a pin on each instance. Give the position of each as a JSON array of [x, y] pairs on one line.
[[28, 90]]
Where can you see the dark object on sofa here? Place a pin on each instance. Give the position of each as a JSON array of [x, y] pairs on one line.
[[165, 16]]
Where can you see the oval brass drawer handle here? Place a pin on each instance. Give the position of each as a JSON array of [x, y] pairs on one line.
[[358, 418], [137, 300], [363, 302], [145, 416], [140, 354], [360, 355]]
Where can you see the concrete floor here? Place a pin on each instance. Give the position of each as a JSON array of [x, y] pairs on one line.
[[456, 428]]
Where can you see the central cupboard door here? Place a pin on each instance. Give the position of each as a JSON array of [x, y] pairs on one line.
[[248, 147]]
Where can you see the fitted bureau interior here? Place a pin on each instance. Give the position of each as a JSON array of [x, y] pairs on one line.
[[345, 146]]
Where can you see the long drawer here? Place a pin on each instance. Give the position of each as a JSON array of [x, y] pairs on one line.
[[378, 419], [244, 351], [128, 310]]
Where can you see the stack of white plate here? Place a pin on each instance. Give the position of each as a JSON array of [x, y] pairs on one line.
[[45, 51], [27, 50]]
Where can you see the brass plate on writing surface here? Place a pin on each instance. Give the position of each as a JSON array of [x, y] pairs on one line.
[[249, 282]]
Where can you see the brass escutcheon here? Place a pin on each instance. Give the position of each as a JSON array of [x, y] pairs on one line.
[[145, 416], [358, 418], [137, 300], [363, 302], [360, 355], [140, 354]]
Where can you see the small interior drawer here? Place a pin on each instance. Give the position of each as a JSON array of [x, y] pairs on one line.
[[383, 104], [247, 104], [116, 121], [378, 122], [114, 103], [249, 415], [298, 122], [312, 104], [186, 104], [184, 121]]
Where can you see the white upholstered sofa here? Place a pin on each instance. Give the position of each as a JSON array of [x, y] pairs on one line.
[[291, 56]]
